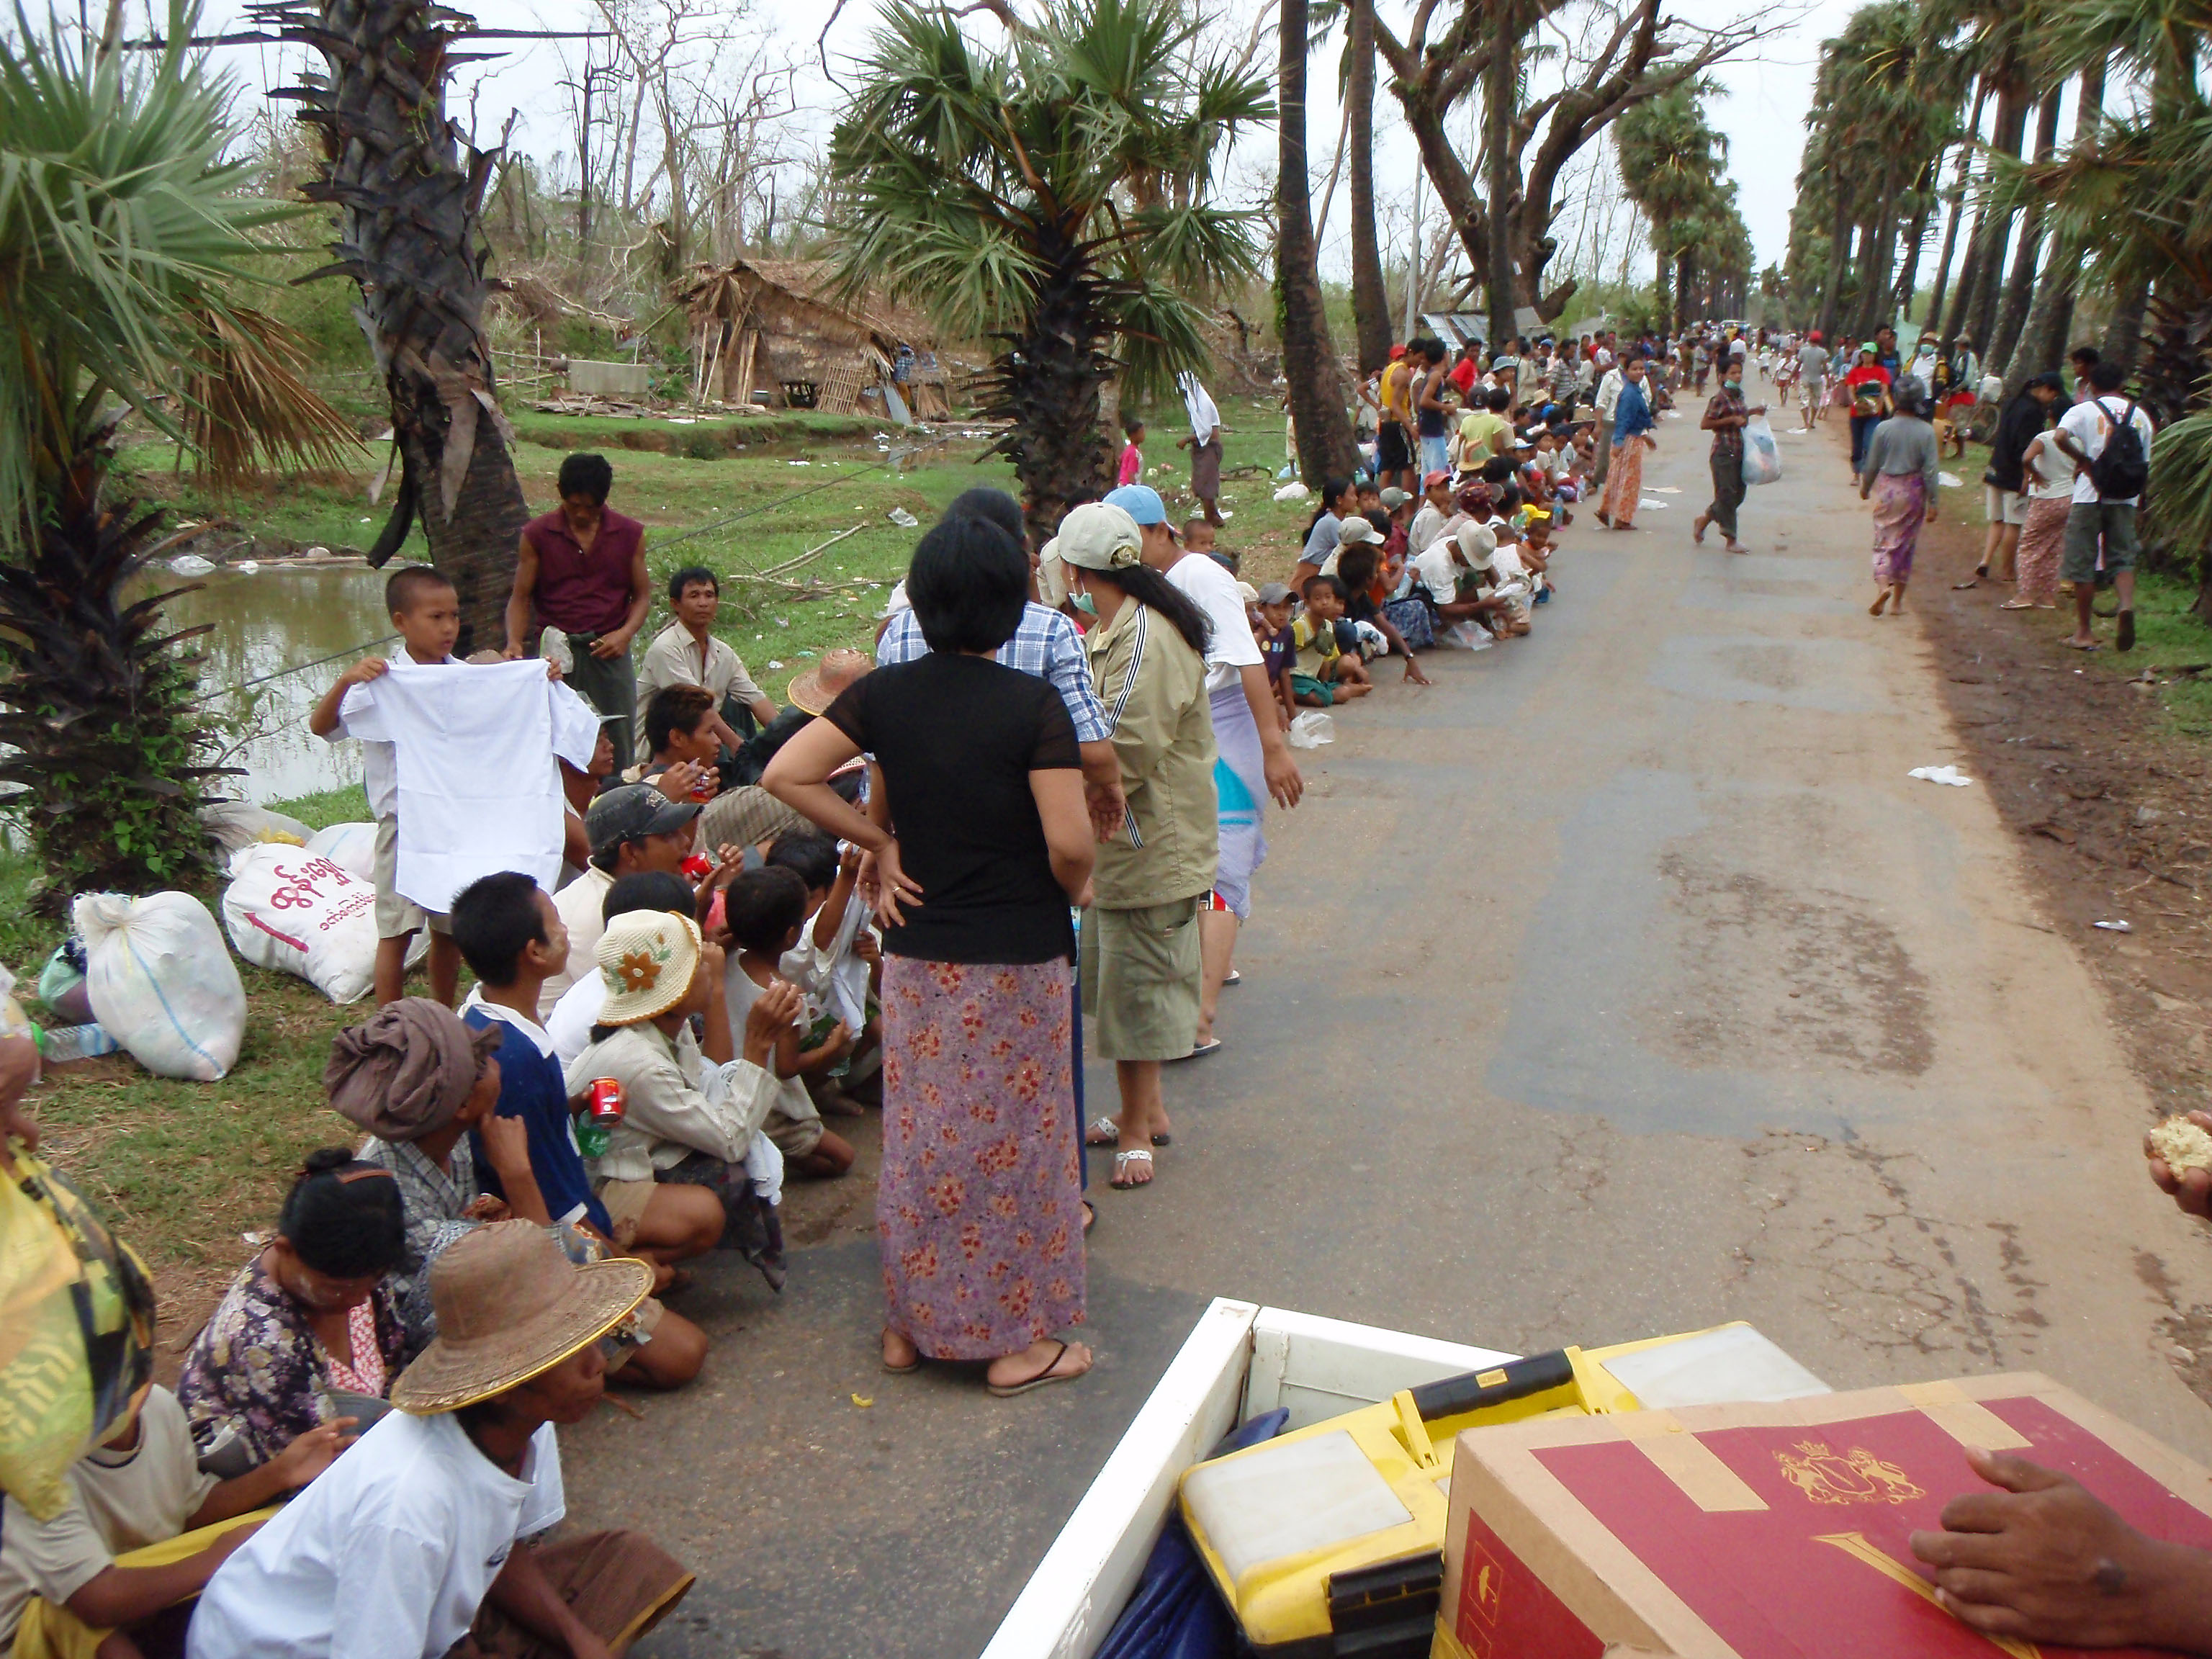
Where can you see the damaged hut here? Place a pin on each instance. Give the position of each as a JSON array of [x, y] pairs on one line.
[[776, 332]]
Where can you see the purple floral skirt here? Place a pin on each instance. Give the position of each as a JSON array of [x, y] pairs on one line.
[[979, 1209]]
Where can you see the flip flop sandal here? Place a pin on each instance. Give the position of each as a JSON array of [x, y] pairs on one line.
[[1122, 1163], [903, 1370], [2071, 645], [1043, 1379], [2017, 605], [1234, 978], [1212, 1045], [1103, 1131]]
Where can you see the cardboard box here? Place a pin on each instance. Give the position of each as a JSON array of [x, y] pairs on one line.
[[1766, 1531]]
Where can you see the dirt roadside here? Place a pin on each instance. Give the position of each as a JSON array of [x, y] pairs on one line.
[[2113, 816]]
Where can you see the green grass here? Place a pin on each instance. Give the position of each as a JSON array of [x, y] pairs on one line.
[[182, 1169], [2168, 636]]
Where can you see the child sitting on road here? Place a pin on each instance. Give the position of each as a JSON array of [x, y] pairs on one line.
[[765, 911], [426, 613], [1325, 675], [1279, 648], [1360, 571], [513, 941], [836, 964]]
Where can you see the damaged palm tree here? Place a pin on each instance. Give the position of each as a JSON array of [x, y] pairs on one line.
[[124, 238], [1054, 196], [409, 188]]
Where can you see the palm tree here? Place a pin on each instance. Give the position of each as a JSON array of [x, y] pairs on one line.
[[409, 189], [1370, 299], [1055, 195], [1670, 162], [122, 242], [1315, 380]]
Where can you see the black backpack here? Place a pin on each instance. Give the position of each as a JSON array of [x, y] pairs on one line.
[[2121, 469]]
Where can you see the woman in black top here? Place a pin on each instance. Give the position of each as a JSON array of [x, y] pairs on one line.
[[980, 843]]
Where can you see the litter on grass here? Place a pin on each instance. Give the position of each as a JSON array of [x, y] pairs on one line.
[[902, 518], [2113, 926], [1950, 775], [1950, 480]]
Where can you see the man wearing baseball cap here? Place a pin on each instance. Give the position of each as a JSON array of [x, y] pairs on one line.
[[632, 827], [1435, 512], [411, 1546], [1252, 761]]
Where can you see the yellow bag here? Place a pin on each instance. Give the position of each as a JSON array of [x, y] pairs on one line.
[[76, 1333]]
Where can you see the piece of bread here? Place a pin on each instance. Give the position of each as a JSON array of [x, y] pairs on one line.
[[2183, 1144]]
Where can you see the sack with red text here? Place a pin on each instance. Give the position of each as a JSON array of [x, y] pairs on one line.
[[288, 910]]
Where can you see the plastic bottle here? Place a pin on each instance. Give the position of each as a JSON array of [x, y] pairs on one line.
[[60, 1044]]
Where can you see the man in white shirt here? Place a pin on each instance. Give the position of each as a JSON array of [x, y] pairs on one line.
[[2083, 433], [686, 653], [1253, 760], [412, 1542], [1434, 511]]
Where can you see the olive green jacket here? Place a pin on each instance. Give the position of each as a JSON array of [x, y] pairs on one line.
[[1153, 686]]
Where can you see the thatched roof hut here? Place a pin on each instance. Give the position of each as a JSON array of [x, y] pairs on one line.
[[778, 326]]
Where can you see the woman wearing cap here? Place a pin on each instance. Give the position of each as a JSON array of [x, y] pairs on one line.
[[1900, 475], [414, 1541], [1141, 954], [308, 1316], [1631, 436], [981, 841]]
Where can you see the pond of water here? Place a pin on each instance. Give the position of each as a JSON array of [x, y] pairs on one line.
[[266, 622]]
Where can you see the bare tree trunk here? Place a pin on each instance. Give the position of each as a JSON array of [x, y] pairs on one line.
[[2020, 289], [1370, 297], [1499, 87], [1317, 399], [1839, 253], [1994, 231], [1958, 204]]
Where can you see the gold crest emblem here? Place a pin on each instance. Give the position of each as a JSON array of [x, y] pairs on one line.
[[1857, 1476]]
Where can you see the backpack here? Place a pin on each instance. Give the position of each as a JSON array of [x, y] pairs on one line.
[[2121, 469]]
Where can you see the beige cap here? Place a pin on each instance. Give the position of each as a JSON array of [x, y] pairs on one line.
[[1355, 529], [1096, 536]]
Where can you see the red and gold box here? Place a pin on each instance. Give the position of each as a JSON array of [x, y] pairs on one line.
[[1764, 1531]]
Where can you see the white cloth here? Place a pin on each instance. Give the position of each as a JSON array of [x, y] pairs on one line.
[[1213, 590], [118, 1501], [1204, 417], [570, 1022], [1609, 392], [379, 764], [2088, 425], [476, 791], [578, 905], [1439, 570], [387, 1554], [1428, 525]]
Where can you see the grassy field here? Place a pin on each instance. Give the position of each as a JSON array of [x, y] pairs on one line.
[[184, 1168], [2168, 638]]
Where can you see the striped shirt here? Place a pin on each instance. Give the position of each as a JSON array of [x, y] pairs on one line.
[[1045, 644]]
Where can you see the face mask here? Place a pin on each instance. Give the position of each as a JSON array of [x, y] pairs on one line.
[[1083, 603]]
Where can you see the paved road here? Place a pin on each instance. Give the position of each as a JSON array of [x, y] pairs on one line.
[[1622, 983]]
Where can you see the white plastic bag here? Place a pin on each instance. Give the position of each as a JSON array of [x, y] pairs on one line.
[[351, 846], [162, 982], [1311, 729], [1762, 458], [287, 909], [236, 823]]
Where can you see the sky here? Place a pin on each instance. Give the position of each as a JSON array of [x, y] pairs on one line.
[[1765, 93]]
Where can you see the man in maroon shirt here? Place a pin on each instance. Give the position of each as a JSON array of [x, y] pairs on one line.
[[581, 567]]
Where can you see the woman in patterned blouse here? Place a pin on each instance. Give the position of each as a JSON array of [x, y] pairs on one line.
[[307, 1317]]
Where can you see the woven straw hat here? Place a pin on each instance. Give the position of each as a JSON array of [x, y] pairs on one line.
[[821, 685], [647, 958], [510, 1307]]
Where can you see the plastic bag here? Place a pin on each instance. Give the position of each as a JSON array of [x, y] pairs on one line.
[[287, 909], [162, 982], [351, 846], [237, 824], [1311, 729], [61, 984], [76, 1333], [1762, 460]]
